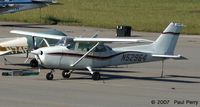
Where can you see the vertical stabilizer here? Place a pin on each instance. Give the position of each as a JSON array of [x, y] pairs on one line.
[[166, 42]]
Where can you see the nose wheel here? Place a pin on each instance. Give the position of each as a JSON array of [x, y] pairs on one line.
[[66, 74], [49, 76], [34, 63]]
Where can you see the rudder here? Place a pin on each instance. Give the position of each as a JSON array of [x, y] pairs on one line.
[[166, 42]]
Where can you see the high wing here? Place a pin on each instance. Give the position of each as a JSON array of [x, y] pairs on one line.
[[34, 34], [109, 40], [79, 39]]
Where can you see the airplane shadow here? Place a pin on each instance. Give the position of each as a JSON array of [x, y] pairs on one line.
[[118, 71], [183, 76], [167, 78], [27, 65], [116, 76]]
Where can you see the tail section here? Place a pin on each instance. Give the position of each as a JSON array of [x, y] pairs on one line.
[[166, 42]]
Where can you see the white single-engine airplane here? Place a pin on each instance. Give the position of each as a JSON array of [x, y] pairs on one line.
[[12, 6], [89, 53]]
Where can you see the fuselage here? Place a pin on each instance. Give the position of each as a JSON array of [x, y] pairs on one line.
[[61, 57]]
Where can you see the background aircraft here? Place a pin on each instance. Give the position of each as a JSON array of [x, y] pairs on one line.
[[12, 6], [89, 53], [23, 45]]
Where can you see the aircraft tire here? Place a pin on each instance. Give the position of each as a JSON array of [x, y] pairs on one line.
[[96, 76], [34, 63], [49, 76], [66, 74]]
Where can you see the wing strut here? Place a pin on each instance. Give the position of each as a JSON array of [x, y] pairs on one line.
[[72, 65]]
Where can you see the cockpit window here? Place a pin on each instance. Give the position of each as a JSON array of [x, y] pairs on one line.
[[85, 46], [68, 42]]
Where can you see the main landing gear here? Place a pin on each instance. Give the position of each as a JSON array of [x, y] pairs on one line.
[[34, 63], [67, 73], [95, 75]]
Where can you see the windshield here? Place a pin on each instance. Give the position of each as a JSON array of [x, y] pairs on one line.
[[65, 41], [61, 42]]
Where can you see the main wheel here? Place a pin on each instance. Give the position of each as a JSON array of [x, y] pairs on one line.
[[34, 63], [96, 76], [66, 74], [49, 76]]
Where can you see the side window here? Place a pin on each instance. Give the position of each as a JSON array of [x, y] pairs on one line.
[[85, 47], [100, 48]]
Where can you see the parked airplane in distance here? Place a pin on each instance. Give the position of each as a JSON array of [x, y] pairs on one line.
[[12, 6], [88, 53], [21, 46]]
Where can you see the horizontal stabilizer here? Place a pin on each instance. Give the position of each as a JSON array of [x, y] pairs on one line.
[[176, 57]]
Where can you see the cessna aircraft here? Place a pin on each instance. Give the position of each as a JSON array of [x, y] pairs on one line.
[[21, 46], [88, 53], [12, 6]]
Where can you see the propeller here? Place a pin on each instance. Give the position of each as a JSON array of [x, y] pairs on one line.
[[37, 53], [37, 57]]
